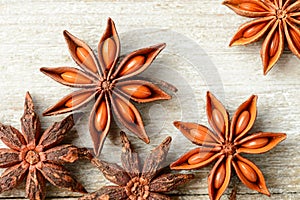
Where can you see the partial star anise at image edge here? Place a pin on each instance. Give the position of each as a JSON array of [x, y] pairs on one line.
[[136, 181], [278, 20], [225, 143], [110, 83], [38, 157]]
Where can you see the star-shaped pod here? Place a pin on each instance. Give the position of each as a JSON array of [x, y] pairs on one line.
[[136, 181], [37, 156], [108, 81], [278, 20], [225, 143]]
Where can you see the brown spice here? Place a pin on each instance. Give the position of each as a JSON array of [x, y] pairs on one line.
[[135, 181], [38, 157], [225, 144], [112, 86], [278, 20]]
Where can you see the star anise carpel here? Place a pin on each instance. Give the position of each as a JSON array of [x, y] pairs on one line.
[[225, 143], [113, 84], [37, 156], [137, 182], [278, 20]]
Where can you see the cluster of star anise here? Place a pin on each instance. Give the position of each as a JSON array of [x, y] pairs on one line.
[[39, 156]]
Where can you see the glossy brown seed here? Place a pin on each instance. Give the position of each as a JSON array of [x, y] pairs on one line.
[[125, 111], [137, 91], [101, 117], [295, 37], [199, 157], [242, 122], [251, 7], [109, 50], [254, 30], [220, 176], [247, 171], [218, 120], [132, 65], [75, 100], [274, 45], [73, 77], [256, 143], [201, 137], [86, 59]]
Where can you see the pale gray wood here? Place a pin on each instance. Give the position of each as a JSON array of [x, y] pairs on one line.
[[31, 37]]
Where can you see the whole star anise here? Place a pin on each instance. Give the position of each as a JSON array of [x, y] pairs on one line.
[[225, 144], [134, 181], [277, 19], [112, 85], [37, 157]]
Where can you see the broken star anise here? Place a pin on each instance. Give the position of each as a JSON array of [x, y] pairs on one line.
[[279, 20], [134, 181], [225, 144], [38, 157], [110, 84]]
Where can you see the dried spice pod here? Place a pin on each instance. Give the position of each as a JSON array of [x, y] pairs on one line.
[[135, 181], [37, 156], [112, 86], [225, 144], [277, 20]]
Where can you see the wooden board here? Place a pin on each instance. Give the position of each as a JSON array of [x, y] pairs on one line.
[[197, 59]]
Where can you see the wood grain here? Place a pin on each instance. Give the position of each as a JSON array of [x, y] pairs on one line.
[[31, 37]]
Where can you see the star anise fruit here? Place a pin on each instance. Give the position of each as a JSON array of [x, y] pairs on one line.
[[38, 157], [225, 143], [137, 182], [110, 84], [279, 20]]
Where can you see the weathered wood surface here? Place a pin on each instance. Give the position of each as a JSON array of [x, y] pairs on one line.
[[31, 37]]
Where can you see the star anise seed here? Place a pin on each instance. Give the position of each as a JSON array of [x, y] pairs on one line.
[[37, 156], [110, 84], [279, 20], [135, 181], [225, 144]]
